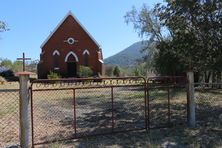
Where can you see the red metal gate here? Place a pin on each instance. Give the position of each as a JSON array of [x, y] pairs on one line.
[[74, 108]]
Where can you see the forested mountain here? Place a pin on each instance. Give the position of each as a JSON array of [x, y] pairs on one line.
[[127, 57]]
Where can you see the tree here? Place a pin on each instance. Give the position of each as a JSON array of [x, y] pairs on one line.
[[116, 71], [3, 26], [17, 66], [193, 34], [6, 63], [148, 26]]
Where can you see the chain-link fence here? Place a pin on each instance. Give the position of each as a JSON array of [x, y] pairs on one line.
[[208, 99], [9, 117], [77, 108], [167, 105], [67, 109]]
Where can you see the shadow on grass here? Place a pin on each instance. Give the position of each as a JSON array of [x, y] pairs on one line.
[[95, 117]]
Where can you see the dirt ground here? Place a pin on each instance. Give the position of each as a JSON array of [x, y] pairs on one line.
[[181, 137], [53, 113]]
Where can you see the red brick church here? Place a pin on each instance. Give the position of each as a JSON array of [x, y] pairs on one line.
[[67, 47]]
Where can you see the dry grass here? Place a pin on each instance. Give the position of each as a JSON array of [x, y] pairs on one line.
[[53, 118], [9, 114]]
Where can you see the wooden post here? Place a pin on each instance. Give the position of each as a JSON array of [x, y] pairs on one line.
[[191, 100], [23, 108]]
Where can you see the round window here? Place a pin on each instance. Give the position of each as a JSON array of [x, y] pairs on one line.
[[71, 40]]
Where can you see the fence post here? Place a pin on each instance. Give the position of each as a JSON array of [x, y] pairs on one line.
[[24, 108], [190, 99]]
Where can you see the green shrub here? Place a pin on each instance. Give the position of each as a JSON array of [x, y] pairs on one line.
[[85, 71], [53, 75], [116, 71]]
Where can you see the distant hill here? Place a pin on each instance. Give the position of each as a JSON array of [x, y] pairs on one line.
[[127, 57]]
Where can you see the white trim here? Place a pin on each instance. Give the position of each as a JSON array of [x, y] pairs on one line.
[[71, 53], [86, 52], [101, 61], [68, 14], [56, 52]]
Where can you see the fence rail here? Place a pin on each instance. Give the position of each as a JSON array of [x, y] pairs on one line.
[[88, 107], [74, 108]]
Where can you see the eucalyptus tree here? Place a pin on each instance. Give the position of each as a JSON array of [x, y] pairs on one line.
[[187, 34], [3, 26]]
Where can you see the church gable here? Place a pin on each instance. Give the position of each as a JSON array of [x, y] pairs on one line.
[[69, 27]]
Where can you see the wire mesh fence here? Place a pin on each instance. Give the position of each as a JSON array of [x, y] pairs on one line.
[[129, 108], [93, 111], [52, 112], [9, 117], [62, 110], [65, 110], [208, 99], [167, 105]]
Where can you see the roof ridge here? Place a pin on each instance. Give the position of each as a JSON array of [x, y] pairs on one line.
[[61, 22]]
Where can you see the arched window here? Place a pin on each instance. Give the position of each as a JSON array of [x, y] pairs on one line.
[[56, 55], [86, 57]]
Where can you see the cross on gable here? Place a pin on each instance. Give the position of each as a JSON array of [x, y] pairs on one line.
[[23, 59]]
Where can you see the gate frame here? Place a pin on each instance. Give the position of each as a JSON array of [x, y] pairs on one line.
[[168, 82], [95, 80]]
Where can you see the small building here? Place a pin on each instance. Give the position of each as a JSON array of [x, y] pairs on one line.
[[67, 47]]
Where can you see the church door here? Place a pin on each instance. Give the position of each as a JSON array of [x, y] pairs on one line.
[[71, 61], [71, 69]]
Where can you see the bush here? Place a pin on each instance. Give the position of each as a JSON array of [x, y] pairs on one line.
[[116, 71], [85, 71], [53, 75]]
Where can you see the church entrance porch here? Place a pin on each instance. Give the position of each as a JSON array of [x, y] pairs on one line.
[[71, 69]]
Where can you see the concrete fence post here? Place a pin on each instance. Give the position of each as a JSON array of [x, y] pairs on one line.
[[191, 100], [24, 109]]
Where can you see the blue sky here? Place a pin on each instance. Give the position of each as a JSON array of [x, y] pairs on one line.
[[30, 22]]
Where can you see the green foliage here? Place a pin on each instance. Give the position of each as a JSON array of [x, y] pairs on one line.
[[147, 24], [140, 70], [136, 72], [167, 63], [116, 71], [53, 75], [85, 71], [192, 34], [6, 63], [3, 26], [17, 66]]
